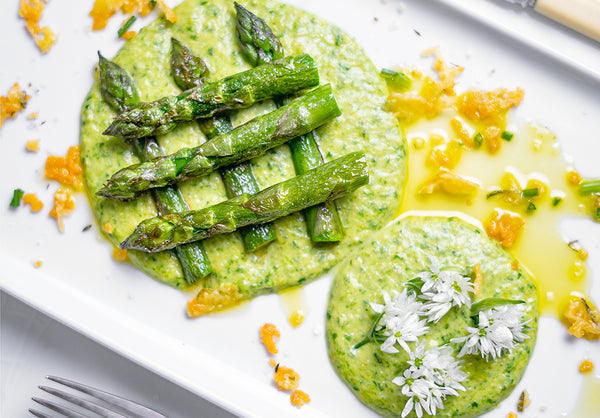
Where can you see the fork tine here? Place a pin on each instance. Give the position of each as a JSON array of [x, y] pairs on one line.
[[38, 413], [125, 404], [91, 406], [58, 408]]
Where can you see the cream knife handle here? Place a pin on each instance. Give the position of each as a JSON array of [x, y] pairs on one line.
[[581, 15]]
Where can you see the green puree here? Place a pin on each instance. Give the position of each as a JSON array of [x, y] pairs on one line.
[[208, 27], [386, 261]]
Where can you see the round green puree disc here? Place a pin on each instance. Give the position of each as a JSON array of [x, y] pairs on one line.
[[386, 261], [208, 28]]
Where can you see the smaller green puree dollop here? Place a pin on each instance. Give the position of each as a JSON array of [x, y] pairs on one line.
[[431, 317]]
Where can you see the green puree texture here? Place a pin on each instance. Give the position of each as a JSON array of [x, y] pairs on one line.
[[386, 261], [208, 27]]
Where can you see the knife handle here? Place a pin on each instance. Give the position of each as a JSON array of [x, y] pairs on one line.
[[581, 15]]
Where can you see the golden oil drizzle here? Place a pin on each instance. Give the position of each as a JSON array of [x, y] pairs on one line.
[[587, 404], [294, 305], [533, 153]]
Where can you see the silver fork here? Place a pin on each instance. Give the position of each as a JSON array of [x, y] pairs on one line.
[[128, 407]]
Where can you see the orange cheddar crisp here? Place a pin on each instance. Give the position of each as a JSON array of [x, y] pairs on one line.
[[31, 11], [32, 200], [268, 336], [299, 398], [66, 170], [14, 101], [63, 205], [286, 378]]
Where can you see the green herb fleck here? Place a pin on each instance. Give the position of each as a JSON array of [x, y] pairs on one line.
[[496, 193], [556, 200], [396, 80], [589, 186], [126, 26], [532, 192], [478, 139], [16, 199], [507, 136], [531, 207]]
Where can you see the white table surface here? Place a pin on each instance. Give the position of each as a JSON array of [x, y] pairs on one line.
[[32, 345]]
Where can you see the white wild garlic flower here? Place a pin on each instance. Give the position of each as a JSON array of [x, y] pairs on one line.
[[400, 322], [433, 374], [498, 330], [442, 290]]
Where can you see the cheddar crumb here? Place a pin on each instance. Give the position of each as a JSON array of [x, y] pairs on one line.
[[573, 177], [119, 254], [107, 228], [33, 145], [586, 366], [515, 265], [66, 170], [169, 13], [63, 205], [504, 226], [32, 200], [418, 142], [103, 10], [449, 183], [272, 362], [14, 101], [296, 318], [37, 264], [128, 35], [286, 378], [511, 415], [268, 335], [212, 299], [299, 398], [31, 11], [478, 281], [524, 401], [582, 319], [32, 115]]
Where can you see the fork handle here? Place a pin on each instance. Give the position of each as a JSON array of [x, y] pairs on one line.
[[581, 15]]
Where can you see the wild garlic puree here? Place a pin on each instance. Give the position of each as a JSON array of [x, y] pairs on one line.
[[208, 28], [394, 272], [402, 259]]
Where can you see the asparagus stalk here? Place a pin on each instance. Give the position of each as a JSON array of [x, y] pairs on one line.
[[261, 47], [241, 144], [240, 90], [189, 71], [119, 91], [335, 179]]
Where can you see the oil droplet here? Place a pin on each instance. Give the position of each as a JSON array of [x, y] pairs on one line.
[[577, 271], [294, 305]]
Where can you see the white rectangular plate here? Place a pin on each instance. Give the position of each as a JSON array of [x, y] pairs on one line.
[[220, 357]]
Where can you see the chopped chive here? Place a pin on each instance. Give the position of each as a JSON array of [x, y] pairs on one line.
[[495, 193], [126, 26], [597, 218], [478, 139], [507, 136], [589, 187], [531, 207], [396, 79], [16, 199], [532, 192], [491, 303], [556, 200]]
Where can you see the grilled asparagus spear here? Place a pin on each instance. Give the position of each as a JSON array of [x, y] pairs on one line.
[[332, 180]]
